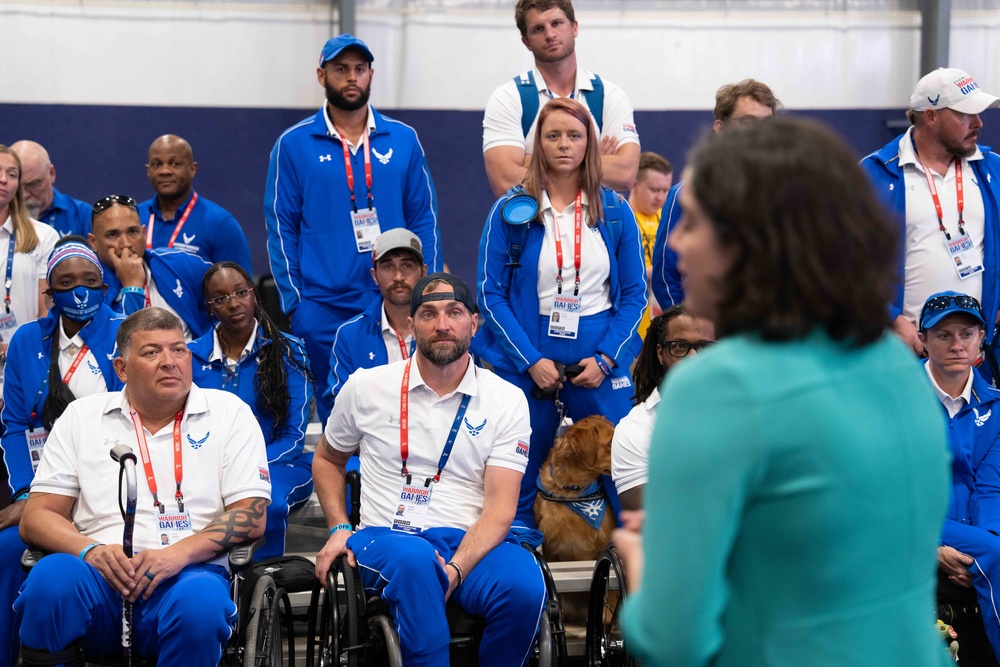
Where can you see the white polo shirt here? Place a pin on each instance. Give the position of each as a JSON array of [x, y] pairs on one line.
[[28, 268], [928, 266], [952, 405], [332, 130], [392, 340], [495, 432], [630, 445], [595, 262], [87, 379], [224, 461], [502, 121]]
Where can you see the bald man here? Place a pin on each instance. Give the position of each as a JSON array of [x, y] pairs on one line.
[[63, 213], [178, 217]]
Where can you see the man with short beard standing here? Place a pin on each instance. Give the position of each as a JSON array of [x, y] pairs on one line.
[[443, 445], [336, 181], [944, 191]]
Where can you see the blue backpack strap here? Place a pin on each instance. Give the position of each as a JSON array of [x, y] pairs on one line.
[[614, 213], [528, 91], [595, 102]]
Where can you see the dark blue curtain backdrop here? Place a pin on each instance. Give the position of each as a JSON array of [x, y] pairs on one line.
[[100, 150]]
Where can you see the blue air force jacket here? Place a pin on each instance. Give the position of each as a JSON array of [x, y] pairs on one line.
[[307, 206], [508, 297], [67, 215], [213, 375], [211, 232], [25, 386], [886, 174], [665, 280], [178, 276]]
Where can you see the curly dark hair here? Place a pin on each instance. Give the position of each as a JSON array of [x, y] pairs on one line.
[[270, 383], [648, 372], [814, 249]]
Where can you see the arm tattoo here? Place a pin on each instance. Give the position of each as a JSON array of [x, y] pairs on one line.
[[235, 527]]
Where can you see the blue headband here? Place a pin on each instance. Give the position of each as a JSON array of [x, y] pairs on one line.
[[72, 249]]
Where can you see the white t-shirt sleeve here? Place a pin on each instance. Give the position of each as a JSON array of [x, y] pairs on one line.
[[619, 121], [630, 450], [510, 450], [245, 473], [502, 120], [57, 471], [341, 430], [47, 238]]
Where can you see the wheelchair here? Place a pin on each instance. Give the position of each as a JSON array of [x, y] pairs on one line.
[[959, 608], [264, 616], [346, 627], [605, 646]]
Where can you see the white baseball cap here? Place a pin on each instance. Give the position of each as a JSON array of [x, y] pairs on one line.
[[953, 89]]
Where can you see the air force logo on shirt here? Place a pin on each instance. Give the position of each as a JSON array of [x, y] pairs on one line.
[[474, 430], [179, 290], [981, 419], [196, 444], [384, 159]]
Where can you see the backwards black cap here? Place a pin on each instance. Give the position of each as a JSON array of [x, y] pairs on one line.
[[460, 292]]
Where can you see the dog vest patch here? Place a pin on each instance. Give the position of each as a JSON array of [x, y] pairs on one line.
[[591, 504]]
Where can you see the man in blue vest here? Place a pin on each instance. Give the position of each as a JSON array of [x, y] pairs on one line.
[[178, 217], [381, 334], [45, 203], [138, 278], [548, 29]]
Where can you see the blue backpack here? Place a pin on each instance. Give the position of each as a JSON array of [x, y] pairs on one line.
[[528, 91]]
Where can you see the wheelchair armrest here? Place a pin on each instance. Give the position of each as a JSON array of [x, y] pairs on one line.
[[241, 556], [30, 557]]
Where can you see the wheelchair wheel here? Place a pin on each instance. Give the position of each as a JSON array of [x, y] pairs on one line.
[[383, 643], [263, 645], [551, 647], [605, 647], [343, 609]]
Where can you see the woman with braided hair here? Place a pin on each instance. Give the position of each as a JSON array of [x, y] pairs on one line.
[[247, 355]]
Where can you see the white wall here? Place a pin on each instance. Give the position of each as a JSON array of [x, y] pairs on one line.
[[232, 56]]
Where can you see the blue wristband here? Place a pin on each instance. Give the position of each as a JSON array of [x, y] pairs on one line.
[[132, 290], [341, 526], [603, 365], [20, 495], [84, 551]]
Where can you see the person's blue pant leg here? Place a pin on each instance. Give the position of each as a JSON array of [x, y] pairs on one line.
[[11, 578], [291, 486], [403, 569], [186, 622], [316, 324]]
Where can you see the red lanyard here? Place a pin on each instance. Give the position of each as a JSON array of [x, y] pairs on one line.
[[350, 169], [145, 289], [147, 465], [177, 230], [76, 362], [403, 349], [577, 240]]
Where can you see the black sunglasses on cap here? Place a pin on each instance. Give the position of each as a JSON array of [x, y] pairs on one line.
[[105, 203], [939, 303]]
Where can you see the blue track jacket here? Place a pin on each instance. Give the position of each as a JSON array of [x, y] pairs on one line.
[[883, 168], [67, 215], [212, 375], [665, 279], [307, 207], [28, 359], [508, 298], [211, 232], [178, 276]]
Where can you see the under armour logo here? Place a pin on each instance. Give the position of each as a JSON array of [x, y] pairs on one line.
[[384, 159], [188, 239], [371, 356], [474, 430], [935, 100], [325, 158], [989, 178], [179, 291], [892, 186], [981, 419], [206, 367], [196, 444], [41, 356]]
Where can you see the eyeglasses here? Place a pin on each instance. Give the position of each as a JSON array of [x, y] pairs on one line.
[[240, 294], [681, 348], [104, 204], [963, 301]]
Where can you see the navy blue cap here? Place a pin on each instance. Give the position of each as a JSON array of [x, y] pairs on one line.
[[941, 305], [335, 45], [460, 292]]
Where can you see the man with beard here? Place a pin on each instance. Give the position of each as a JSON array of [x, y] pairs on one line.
[[335, 182], [177, 217], [548, 30], [944, 191], [447, 441], [381, 334], [45, 203]]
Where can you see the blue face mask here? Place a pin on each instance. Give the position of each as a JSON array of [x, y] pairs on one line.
[[79, 304]]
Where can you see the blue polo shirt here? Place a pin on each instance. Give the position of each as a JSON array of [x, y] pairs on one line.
[[67, 215]]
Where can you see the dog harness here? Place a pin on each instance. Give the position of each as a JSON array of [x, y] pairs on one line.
[[591, 504]]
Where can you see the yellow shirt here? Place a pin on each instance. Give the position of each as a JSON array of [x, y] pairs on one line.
[[648, 225]]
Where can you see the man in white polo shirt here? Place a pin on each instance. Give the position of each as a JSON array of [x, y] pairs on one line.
[[944, 191], [548, 29], [203, 482], [443, 446]]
